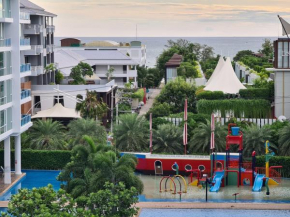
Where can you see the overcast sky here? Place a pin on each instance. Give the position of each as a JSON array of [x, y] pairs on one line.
[[118, 18]]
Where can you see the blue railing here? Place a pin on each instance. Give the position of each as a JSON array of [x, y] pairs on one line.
[[25, 119], [24, 41], [5, 42], [25, 67], [25, 93]]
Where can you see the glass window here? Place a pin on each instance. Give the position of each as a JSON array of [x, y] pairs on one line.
[[286, 55], [2, 121], [171, 74], [5, 92], [2, 93], [280, 53]]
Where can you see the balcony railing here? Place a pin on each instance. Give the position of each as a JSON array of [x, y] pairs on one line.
[[36, 70], [5, 13], [33, 29], [50, 28], [25, 67], [25, 93], [24, 41], [5, 42], [24, 16], [25, 119]]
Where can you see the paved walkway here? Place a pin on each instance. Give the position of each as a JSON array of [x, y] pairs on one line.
[[154, 93]]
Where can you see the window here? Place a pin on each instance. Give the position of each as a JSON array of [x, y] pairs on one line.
[[2, 121], [171, 74], [188, 167], [37, 103], [5, 92], [60, 99], [280, 51], [285, 55], [201, 168], [173, 167], [124, 68]]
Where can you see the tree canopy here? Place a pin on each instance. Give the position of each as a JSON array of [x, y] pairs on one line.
[[79, 72]]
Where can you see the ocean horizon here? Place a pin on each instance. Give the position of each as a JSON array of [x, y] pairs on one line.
[[226, 46]]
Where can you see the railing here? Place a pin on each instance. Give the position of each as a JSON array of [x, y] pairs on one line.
[[25, 119], [25, 93], [50, 28], [36, 70], [258, 121], [5, 13], [261, 170], [36, 27], [24, 41], [25, 67], [5, 42], [275, 174], [5, 71], [24, 16]]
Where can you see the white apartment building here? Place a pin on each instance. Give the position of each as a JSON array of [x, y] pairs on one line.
[[16, 72], [101, 61]]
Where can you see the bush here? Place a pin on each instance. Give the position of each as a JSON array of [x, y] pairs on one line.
[[210, 95], [276, 161], [58, 77], [40, 159], [255, 93], [159, 110], [139, 94], [159, 121]]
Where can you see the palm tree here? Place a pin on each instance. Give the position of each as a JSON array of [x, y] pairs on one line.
[[284, 140], [255, 138], [80, 127], [47, 135], [91, 107], [168, 139], [132, 133], [92, 166], [200, 141]]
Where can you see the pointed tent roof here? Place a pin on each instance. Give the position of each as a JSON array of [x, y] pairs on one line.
[[218, 68], [226, 80], [285, 26], [57, 111]]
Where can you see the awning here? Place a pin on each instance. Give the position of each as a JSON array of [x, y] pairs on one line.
[[58, 111]]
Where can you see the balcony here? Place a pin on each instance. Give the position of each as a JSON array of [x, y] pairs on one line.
[[24, 41], [33, 29], [132, 73], [36, 70], [49, 48], [25, 119], [50, 28], [5, 16], [35, 50], [25, 93], [25, 67], [24, 17], [5, 43]]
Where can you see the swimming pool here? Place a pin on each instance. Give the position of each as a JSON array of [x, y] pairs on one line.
[[212, 212]]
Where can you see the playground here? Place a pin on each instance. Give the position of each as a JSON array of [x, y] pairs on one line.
[[228, 179]]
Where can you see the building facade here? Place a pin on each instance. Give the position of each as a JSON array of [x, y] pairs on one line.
[[282, 77], [171, 67], [17, 72]]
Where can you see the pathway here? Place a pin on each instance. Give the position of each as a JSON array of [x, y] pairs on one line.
[[145, 108]]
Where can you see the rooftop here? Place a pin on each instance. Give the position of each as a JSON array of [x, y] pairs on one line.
[[175, 60], [33, 9]]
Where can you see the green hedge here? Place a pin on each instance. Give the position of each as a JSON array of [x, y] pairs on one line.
[[40, 159], [211, 95], [139, 94], [255, 93], [283, 161], [254, 108]]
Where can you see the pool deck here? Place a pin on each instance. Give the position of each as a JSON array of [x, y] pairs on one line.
[[14, 179], [244, 206]]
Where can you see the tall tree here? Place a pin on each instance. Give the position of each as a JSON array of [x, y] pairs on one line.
[[267, 48], [200, 141], [80, 127], [47, 135], [132, 133], [255, 138], [284, 141], [168, 139], [79, 72], [91, 107]]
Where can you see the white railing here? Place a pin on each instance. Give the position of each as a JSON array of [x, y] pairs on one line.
[[24, 16], [5, 13], [35, 27], [178, 156], [175, 121], [50, 28], [260, 122], [5, 42], [36, 70]]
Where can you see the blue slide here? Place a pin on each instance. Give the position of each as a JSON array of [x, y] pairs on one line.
[[218, 181], [258, 182]]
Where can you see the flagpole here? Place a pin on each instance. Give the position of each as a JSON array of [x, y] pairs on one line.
[[151, 133], [283, 27]]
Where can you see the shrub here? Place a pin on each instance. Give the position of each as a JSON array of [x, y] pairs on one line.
[[159, 110], [40, 159], [58, 77], [210, 95], [255, 93], [139, 94]]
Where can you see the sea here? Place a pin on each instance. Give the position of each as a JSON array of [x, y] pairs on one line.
[[225, 46]]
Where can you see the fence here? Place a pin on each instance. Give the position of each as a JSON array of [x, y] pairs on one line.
[[259, 122], [175, 121]]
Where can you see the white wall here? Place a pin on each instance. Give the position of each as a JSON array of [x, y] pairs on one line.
[[282, 94]]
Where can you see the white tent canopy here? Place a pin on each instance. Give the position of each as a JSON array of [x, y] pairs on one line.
[[215, 73], [57, 111], [285, 26], [226, 80]]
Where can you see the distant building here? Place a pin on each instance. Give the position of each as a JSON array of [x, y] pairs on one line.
[[171, 67], [282, 77], [70, 42]]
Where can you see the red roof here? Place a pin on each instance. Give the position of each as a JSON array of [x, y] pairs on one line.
[[175, 60]]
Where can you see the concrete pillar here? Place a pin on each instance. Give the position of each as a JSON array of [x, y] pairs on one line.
[[7, 161], [17, 155]]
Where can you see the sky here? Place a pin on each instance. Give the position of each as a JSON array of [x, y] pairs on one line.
[[171, 18]]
